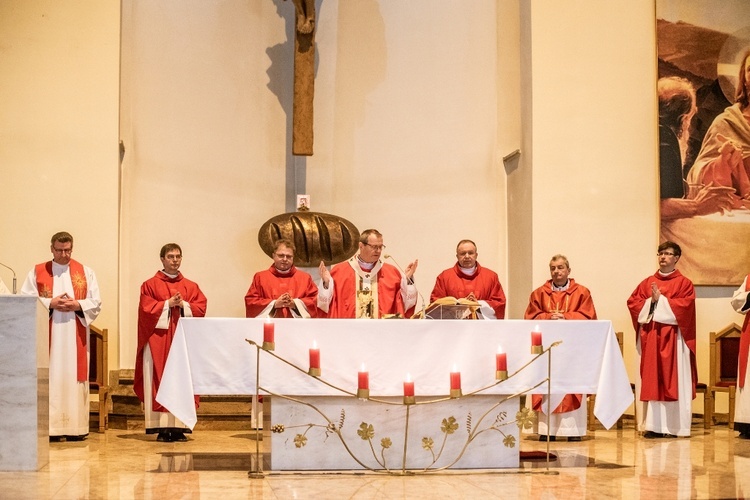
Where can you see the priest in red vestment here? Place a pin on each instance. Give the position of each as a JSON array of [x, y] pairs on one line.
[[71, 293], [662, 308], [365, 286], [561, 298], [282, 291], [165, 298], [467, 279], [741, 304]]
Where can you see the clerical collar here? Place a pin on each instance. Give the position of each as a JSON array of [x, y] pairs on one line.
[[560, 288], [366, 266], [282, 272], [470, 271], [667, 274], [173, 276]]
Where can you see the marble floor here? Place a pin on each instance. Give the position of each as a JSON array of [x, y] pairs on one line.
[[214, 464]]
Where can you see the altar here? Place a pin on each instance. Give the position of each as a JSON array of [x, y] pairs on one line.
[[212, 356]]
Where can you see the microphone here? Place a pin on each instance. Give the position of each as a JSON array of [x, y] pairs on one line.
[[390, 257], [14, 276]]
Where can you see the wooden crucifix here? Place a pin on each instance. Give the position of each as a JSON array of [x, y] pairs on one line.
[[304, 78]]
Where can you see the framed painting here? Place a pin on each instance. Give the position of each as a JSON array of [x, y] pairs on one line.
[[703, 89]]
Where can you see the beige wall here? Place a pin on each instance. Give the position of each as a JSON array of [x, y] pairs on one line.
[[594, 148], [405, 135], [415, 107], [59, 84]]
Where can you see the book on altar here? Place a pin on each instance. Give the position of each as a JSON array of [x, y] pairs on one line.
[[452, 308]]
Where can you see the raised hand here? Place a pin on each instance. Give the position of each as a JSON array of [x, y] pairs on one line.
[[411, 269], [325, 274]]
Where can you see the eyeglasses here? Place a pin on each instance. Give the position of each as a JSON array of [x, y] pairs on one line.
[[669, 254], [376, 247]]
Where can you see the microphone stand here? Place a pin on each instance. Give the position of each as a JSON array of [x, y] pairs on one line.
[[14, 276]]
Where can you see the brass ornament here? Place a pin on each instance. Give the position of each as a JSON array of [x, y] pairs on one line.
[[317, 237]]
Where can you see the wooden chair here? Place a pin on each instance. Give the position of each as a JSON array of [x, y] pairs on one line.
[[701, 388], [99, 373], [591, 422], [723, 364]]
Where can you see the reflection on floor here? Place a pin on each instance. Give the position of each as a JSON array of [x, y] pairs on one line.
[[214, 464]]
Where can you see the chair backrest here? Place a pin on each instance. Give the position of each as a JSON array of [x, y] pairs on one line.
[[620, 341], [98, 367], [724, 352]]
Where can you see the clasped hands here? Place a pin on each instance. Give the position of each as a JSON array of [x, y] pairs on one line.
[[64, 303], [655, 293], [175, 300], [284, 300]]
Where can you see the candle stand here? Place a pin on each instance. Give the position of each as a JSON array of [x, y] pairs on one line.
[[492, 421]]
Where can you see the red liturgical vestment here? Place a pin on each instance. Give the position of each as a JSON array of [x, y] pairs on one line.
[[362, 294], [484, 284], [659, 340], [154, 292], [270, 284], [574, 303]]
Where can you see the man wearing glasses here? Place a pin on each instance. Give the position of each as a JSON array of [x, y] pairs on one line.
[[365, 286], [71, 293], [165, 298], [282, 290], [662, 308]]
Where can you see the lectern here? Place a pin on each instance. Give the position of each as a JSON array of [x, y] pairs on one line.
[[24, 383]]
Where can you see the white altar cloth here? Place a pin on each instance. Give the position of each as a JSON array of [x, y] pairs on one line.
[[210, 356]]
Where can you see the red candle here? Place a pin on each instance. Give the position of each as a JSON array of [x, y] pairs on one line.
[[455, 379], [408, 386], [268, 331], [363, 378], [501, 360], [315, 356], [536, 336]]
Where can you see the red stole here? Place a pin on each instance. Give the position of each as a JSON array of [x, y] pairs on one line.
[[78, 278], [744, 342]]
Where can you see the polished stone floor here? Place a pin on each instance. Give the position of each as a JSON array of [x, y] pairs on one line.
[[214, 464]]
